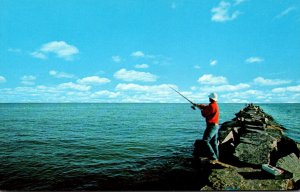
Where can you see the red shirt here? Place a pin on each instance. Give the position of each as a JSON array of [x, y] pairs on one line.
[[211, 113]]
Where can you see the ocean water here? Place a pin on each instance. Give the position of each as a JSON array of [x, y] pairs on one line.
[[103, 146]]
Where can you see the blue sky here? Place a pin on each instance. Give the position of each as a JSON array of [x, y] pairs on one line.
[[133, 50]]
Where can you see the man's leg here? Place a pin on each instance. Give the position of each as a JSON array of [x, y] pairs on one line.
[[214, 145], [214, 142], [210, 133]]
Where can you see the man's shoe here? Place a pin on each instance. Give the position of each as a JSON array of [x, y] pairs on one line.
[[217, 162], [214, 161]]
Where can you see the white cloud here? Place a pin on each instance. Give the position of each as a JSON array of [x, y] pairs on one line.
[[71, 85], [286, 89], [237, 100], [116, 59], [105, 93], [58, 74], [193, 88], [28, 80], [132, 87], [2, 79], [245, 96], [145, 93], [137, 54], [131, 75], [66, 92], [262, 81], [13, 50], [47, 89], [254, 60], [38, 55], [60, 48], [237, 2], [41, 93], [93, 80], [197, 67], [209, 79], [226, 88], [213, 62], [222, 13], [286, 11], [141, 66], [264, 96], [157, 89]]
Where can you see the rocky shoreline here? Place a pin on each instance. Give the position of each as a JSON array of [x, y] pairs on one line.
[[248, 141]]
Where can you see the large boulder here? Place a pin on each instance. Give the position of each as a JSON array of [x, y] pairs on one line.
[[290, 163], [255, 148]]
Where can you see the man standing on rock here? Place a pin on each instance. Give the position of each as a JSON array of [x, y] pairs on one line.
[[211, 114]]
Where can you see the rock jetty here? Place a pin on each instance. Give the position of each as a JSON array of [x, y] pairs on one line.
[[248, 141]]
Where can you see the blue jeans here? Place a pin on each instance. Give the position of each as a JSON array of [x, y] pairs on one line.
[[210, 137]]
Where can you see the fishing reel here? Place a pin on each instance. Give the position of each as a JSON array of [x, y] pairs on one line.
[[193, 107]]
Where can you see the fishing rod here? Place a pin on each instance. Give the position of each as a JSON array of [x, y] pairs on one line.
[[193, 104]]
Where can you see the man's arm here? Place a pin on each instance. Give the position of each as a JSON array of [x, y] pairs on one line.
[[206, 110], [200, 106]]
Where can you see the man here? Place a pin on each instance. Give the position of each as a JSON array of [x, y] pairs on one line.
[[211, 114]]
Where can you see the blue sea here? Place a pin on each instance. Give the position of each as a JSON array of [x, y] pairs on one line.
[[106, 146]]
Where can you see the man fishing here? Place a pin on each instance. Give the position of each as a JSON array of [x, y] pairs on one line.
[[211, 114], [210, 137]]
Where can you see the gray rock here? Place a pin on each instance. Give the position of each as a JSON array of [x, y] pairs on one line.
[[285, 146], [253, 122], [244, 179], [290, 163], [255, 148], [225, 179], [227, 124], [259, 127]]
